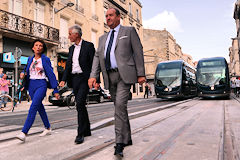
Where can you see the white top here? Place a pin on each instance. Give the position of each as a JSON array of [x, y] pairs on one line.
[[112, 52], [75, 59], [36, 69], [237, 82]]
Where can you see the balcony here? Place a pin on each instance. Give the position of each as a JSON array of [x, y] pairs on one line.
[[15, 24], [64, 44], [80, 9], [95, 17]]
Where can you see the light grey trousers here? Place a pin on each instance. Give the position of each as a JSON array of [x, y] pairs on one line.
[[120, 92]]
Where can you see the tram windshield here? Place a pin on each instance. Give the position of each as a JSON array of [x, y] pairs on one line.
[[169, 75], [212, 75]]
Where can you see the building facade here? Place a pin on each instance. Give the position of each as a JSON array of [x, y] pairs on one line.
[[234, 66], [22, 21], [160, 45]]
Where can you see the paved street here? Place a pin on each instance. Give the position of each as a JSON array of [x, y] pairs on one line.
[[191, 129]]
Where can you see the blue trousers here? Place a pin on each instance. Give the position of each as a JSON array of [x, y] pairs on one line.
[[37, 91]]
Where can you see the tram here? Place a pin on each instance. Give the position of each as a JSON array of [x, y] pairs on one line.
[[175, 79], [213, 78]]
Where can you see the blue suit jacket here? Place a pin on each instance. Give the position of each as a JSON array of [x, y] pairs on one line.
[[52, 81]]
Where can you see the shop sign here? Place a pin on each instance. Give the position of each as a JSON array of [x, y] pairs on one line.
[[9, 58]]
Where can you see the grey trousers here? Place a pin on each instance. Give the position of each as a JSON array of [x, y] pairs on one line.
[[120, 92]]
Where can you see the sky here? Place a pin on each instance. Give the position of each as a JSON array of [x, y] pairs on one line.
[[203, 28]]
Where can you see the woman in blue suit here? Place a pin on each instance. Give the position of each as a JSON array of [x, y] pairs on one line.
[[39, 77]]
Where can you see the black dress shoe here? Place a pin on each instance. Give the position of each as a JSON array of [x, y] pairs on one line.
[[128, 144], [119, 149], [79, 139]]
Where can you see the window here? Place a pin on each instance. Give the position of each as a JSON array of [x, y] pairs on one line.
[[77, 4], [39, 12], [105, 11], [63, 33], [130, 9], [15, 7], [137, 14], [39, 17]]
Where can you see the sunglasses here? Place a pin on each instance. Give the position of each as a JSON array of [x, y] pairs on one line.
[[34, 64]]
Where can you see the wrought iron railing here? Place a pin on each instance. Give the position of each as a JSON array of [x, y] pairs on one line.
[[21, 25], [95, 17], [79, 8]]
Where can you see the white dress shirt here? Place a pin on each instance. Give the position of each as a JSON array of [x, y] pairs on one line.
[[112, 52], [36, 70], [75, 59]]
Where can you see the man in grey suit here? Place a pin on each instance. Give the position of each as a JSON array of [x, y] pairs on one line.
[[120, 59]]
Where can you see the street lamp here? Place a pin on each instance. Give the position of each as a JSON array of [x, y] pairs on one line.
[[70, 4]]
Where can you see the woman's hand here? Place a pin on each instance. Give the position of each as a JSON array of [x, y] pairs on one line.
[[56, 95]]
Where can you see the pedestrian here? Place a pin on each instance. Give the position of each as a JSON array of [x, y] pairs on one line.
[[150, 90], [233, 86], [76, 74], [4, 83], [1, 73], [237, 83], [120, 59], [20, 87], [146, 90], [39, 77]]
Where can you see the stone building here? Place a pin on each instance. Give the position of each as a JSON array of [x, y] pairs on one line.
[[22, 21], [160, 45], [188, 58], [234, 66]]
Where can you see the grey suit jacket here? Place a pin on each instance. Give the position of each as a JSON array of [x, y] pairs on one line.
[[128, 53]]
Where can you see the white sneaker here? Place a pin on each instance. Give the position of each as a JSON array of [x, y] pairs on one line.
[[21, 136], [46, 132]]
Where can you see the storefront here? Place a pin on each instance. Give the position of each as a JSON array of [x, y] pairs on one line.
[[7, 58]]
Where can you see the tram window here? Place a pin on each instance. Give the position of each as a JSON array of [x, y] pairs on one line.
[[211, 63]]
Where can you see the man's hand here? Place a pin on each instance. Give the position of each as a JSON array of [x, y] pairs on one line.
[[141, 80], [57, 95], [22, 89], [97, 86], [92, 82], [61, 84]]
